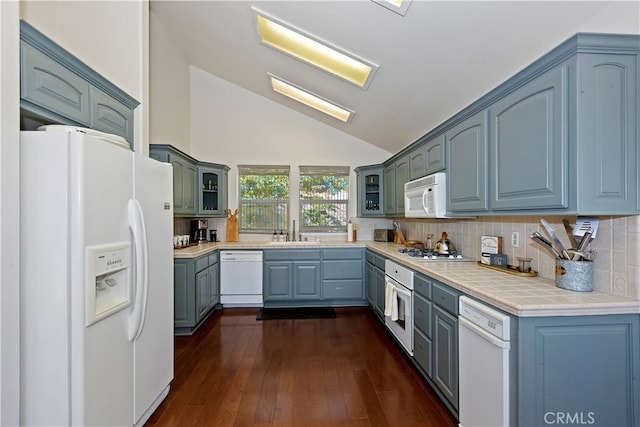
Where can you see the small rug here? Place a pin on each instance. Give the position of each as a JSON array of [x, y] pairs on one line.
[[296, 313]]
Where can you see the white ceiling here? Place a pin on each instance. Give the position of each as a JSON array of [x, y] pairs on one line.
[[434, 61]]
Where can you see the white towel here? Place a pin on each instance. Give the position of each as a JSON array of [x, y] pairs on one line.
[[391, 301]]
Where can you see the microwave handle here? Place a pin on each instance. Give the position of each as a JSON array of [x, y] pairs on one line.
[[425, 199]]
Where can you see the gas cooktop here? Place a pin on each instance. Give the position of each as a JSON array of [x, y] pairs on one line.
[[427, 255]]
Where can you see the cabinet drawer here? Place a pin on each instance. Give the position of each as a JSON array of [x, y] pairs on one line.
[[380, 262], [446, 297], [422, 314], [202, 263], [291, 254], [337, 289], [347, 269], [422, 351], [371, 257], [422, 286], [342, 254], [213, 258]]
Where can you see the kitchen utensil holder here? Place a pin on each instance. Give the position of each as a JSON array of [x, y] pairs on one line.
[[574, 275]]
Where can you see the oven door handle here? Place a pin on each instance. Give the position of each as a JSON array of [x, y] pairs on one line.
[[402, 290]]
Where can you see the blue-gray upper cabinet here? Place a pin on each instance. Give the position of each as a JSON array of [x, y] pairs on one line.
[[370, 190], [184, 177], [56, 87], [467, 148], [427, 158], [212, 189], [396, 174], [529, 145], [389, 189], [606, 142]]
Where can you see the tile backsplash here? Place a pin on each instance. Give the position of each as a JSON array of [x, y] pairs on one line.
[[616, 268]]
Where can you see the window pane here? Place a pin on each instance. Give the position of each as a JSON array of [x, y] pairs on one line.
[[264, 198], [324, 198]]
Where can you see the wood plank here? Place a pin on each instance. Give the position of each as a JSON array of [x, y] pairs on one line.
[[345, 371]]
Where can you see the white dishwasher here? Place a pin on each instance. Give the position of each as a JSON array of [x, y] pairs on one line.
[[483, 344], [241, 278]]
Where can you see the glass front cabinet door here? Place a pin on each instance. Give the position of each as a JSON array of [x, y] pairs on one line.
[[212, 189], [370, 199]]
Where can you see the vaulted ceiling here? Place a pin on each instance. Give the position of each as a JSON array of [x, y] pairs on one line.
[[433, 61]]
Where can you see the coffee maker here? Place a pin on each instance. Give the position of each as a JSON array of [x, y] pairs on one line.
[[199, 230]]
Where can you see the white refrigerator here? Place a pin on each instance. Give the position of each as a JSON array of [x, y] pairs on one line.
[[96, 265]]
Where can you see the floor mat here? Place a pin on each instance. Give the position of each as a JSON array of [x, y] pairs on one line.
[[296, 313]]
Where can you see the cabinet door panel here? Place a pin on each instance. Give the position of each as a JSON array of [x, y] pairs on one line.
[[202, 294], [529, 145], [47, 84], [110, 116], [307, 280], [607, 112], [183, 297], [579, 365], [418, 163], [380, 290], [435, 155], [445, 354], [402, 176], [390, 190], [467, 165], [278, 280]]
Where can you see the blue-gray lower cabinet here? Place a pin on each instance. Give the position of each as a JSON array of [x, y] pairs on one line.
[[196, 291], [313, 277], [584, 368], [375, 284], [445, 341], [423, 318]]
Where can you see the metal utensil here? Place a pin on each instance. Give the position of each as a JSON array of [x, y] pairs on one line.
[[547, 244], [569, 229], [554, 237]]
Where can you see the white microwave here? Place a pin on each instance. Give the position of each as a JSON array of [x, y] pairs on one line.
[[426, 197]]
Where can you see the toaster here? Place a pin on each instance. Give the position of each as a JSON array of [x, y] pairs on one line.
[[383, 235]]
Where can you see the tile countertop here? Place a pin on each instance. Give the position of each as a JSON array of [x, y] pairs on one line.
[[195, 251], [520, 296]]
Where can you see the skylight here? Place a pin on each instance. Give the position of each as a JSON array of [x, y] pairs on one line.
[[305, 47], [310, 99]]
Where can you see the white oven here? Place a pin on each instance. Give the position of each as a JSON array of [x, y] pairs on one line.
[[398, 308]]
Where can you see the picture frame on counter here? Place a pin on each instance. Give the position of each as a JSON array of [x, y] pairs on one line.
[[499, 260]]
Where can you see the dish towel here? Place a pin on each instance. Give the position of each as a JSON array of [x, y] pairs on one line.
[[391, 301]]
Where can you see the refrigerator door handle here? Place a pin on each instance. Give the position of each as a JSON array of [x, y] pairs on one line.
[[137, 225]]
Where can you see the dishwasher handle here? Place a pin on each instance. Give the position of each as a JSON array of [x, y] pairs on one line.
[[484, 334]]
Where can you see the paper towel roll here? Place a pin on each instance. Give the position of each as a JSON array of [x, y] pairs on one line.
[[350, 232]]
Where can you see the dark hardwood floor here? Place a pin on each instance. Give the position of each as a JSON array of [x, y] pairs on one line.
[[237, 371]]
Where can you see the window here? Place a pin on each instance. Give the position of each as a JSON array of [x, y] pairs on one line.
[[264, 198], [324, 198]]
